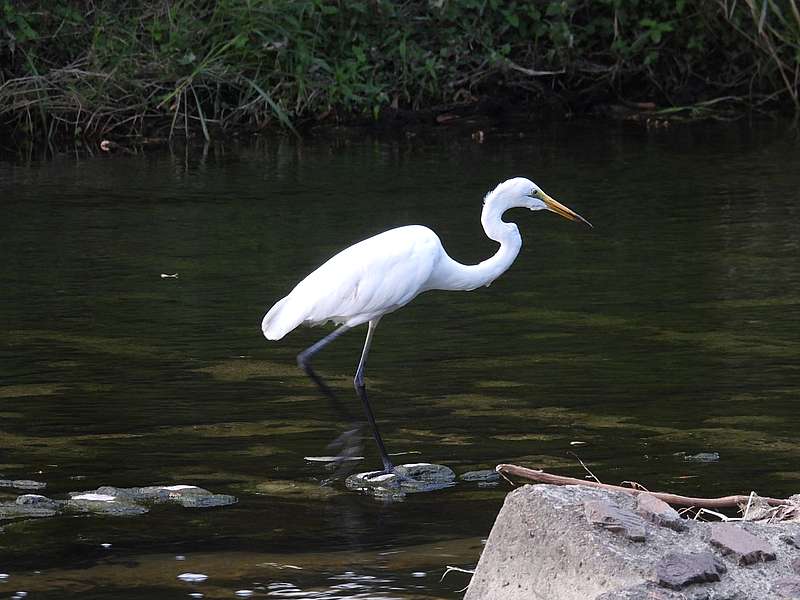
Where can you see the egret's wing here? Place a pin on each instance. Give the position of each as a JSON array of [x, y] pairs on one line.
[[364, 281]]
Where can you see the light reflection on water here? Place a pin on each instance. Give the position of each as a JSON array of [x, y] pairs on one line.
[[671, 327]]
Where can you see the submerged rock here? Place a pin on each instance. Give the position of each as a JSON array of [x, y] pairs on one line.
[[406, 479], [195, 497], [484, 476], [189, 496], [37, 500], [104, 504], [23, 484], [701, 457], [29, 506], [107, 500]]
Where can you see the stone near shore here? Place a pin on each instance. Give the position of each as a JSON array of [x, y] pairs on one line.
[[733, 540], [554, 542], [659, 512], [680, 569], [612, 517]]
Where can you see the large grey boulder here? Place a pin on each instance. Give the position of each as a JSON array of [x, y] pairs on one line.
[[582, 543]]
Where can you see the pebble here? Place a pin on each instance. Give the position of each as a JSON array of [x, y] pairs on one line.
[[418, 574], [244, 593], [106, 545], [180, 557], [4, 575], [193, 577], [195, 595]]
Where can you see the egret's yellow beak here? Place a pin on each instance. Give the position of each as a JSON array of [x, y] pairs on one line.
[[559, 208]]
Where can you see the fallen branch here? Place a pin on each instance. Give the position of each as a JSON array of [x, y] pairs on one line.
[[675, 499]]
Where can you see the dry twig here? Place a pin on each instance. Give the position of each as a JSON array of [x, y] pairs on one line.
[[675, 499]]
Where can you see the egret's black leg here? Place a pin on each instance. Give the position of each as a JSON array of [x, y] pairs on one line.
[[304, 362], [361, 390], [349, 443]]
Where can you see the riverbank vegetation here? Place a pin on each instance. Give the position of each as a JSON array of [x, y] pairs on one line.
[[196, 67]]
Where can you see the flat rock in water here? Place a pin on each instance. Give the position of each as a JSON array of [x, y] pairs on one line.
[[745, 547], [702, 457], [189, 496], [678, 570], [23, 484], [29, 506], [205, 500], [406, 479], [104, 504], [37, 500], [484, 476], [108, 500]]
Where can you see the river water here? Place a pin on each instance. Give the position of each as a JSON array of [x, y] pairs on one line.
[[672, 327]]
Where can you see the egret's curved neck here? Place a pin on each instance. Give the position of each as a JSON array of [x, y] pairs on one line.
[[455, 276]]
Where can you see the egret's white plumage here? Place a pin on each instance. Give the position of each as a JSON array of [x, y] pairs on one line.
[[371, 278], [378, 275], [385, 272]]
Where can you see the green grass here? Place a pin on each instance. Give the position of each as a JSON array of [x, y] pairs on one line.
[[193, 67]]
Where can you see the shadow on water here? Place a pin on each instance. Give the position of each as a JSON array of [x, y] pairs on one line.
[[671, 327]]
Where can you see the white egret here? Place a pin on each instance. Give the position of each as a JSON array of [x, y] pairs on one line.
[[378, 275]]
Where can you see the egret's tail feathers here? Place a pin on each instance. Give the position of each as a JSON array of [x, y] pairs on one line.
[[280, 320]]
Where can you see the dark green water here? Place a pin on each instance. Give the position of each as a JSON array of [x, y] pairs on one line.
[[672, 327]]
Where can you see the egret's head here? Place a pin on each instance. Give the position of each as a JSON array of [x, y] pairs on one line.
[[520, 192]]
